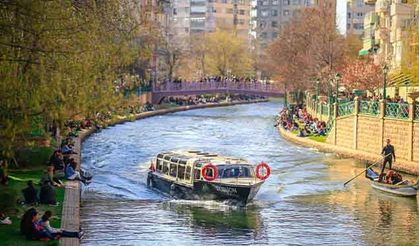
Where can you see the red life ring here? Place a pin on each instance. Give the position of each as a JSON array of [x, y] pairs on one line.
[[204, 172], [268, 171]]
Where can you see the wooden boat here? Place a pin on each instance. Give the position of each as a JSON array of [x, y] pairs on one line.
[[403, 188], [196, 175]]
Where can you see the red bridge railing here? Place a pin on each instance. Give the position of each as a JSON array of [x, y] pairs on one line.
[[216, 85]]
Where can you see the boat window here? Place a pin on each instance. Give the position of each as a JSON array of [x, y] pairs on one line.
[[173, 170], [181, 172], [160, 156], [174, 159], [167, 157], [159, 164], [182, 162], [165, 167], [235, 171], [188, 173], [197, 174]]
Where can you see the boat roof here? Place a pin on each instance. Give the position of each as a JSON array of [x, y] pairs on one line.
[[196, 155]]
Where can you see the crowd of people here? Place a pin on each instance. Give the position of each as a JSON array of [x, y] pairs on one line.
[[297, 118], [196, 100]]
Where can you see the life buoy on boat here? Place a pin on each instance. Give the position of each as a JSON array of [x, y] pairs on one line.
[[204, 172], [263, 165]]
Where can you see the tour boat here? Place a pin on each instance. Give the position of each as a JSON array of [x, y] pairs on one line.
[[196, 175], [404, 188]]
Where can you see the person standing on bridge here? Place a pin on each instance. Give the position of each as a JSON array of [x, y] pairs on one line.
[[389, 155]]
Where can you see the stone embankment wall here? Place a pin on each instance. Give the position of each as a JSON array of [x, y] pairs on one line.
[[362, 134]]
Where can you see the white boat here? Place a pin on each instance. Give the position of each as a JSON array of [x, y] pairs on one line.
[[404, 188]]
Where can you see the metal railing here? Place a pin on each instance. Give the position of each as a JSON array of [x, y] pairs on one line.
[[346, 108], [369, 108], [416, 112], [397, 110], [325, 109]]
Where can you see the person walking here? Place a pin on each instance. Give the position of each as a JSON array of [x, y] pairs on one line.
[[389, 155]]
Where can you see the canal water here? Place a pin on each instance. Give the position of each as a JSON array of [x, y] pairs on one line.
[[302, 203]]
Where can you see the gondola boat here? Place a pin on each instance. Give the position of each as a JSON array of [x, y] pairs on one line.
[[196, 175], [404, 188]]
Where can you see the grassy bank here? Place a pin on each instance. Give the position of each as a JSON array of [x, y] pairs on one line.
[[10, 234], [321, 139]]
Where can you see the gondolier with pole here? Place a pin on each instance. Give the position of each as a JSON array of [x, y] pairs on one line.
[[389, 155]]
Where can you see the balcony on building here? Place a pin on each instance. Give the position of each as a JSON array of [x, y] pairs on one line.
[[369, 2], [401, 8]]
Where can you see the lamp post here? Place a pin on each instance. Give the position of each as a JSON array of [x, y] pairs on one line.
[[317, 89], [285, 94], [385, 72], [337, 77]]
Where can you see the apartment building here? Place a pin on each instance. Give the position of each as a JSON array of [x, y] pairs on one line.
[[356, 12]]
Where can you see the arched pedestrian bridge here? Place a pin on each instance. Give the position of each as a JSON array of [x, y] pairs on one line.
[[168, 89]]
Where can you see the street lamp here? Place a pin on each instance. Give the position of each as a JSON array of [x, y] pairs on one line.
[[385, 72], [317, 89], [337, 77]]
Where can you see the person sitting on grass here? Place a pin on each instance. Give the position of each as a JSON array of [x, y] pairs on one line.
[[57, 160], [30, 194], [30, 227], [4, 179], [47, 195], [4, 220], [49, 177], [67, 147], [54, 232], [72, 174]]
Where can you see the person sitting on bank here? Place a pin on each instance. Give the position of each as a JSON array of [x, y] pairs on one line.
[[54, 232], [389, 155], [30, 227], [67, 147], [30, 193], [72, 174], [57, 160], [48, 176], [4, 179], [47, 195]]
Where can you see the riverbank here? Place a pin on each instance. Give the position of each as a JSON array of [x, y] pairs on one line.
[[403, 166], [71, 207]]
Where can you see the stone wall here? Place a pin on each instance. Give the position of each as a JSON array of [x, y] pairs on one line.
[[345, 132], [369, 136], [415, 142]]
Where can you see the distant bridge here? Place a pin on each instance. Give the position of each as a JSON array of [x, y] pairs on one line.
[[168, 89]]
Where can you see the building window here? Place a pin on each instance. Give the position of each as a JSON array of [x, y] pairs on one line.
[[174, 11], [274, 12], [274, 24], [348, 26], [229, 11], [286, 12], [264, 13], [241, 22], [274, 35], [359, 14], [287, 2], [295, 2], [275, 2], [242, 12], [358, 26], [265, 2], [264, 35]]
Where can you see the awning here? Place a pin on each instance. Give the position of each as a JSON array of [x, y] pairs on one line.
[[363, 52]]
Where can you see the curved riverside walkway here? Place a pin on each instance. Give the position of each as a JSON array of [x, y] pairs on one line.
[[357, 154], [71, 207]]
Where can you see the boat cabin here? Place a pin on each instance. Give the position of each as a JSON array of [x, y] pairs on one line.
[[186, 167]]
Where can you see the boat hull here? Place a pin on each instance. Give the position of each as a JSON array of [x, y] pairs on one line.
[[400, 190], [204, 190]]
